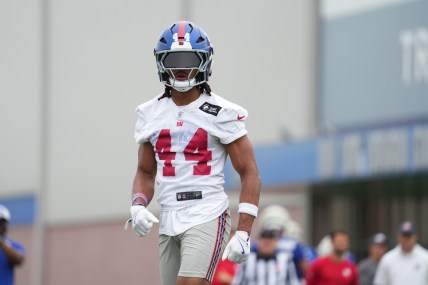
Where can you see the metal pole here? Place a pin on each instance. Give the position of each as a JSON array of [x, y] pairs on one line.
[[39, 224]]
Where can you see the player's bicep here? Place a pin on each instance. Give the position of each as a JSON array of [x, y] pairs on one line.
[[241, 155], [146, 159]]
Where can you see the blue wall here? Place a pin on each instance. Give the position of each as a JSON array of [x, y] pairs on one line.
[[361, 154], [22, 209]]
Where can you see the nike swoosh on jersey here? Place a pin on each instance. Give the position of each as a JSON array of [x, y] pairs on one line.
[[240, 117]]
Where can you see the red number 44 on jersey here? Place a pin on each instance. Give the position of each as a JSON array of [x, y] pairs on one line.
[[196, 150]]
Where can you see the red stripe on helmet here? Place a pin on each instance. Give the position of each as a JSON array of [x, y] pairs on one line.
[[181, 30]]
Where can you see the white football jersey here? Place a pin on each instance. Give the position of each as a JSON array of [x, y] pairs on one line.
[[189, 145]]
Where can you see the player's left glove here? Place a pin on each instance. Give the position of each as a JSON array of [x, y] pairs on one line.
[[238, 248]]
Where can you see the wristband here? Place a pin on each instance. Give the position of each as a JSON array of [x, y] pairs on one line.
[[140, 195], [248, 209]]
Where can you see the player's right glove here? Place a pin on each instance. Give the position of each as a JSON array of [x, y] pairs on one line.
[[142, 220], [238, 248]]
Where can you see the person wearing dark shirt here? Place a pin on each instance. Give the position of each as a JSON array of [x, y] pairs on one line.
[[367, 267]]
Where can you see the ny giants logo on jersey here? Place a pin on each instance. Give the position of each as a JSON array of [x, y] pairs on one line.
[[180, 115]]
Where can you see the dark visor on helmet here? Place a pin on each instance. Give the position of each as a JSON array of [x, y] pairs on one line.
[[180, 59]]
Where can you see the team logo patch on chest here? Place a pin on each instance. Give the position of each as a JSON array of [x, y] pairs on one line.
[[210, 109]]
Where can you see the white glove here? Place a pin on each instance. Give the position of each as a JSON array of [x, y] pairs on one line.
[[238, 248], [142, 220]]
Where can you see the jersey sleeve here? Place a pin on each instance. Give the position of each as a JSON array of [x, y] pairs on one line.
[[19, 247], [139, 133], [16, 246], [298, 253], [298, 257], [231, 123], [312, 273]]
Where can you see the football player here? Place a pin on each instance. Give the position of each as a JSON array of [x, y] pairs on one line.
[[184, 137]]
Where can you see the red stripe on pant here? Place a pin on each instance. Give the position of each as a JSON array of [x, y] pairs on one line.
[[217, 248]]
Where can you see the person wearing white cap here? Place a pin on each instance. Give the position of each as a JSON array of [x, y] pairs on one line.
[[407, 263], [267, 264], [277, 217], [11, 252], [367, 267]]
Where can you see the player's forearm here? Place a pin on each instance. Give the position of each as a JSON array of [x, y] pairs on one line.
[[250, 194], [144, 184], [245, 223], [12, 255], [243, 160]]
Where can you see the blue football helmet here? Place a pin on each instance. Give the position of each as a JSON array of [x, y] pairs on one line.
[[183, 47]]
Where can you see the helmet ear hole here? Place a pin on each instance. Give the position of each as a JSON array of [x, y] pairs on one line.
[[199, 40], [162, 40]]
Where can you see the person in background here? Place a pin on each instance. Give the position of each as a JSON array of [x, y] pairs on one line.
[[335, 268], [367, 267], [267, 264], [325, 247], [294, 230], [225, 269], [407, 263], [277, 217], [11, 252]]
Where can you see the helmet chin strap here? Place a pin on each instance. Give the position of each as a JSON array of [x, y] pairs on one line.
[[182, 86]]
